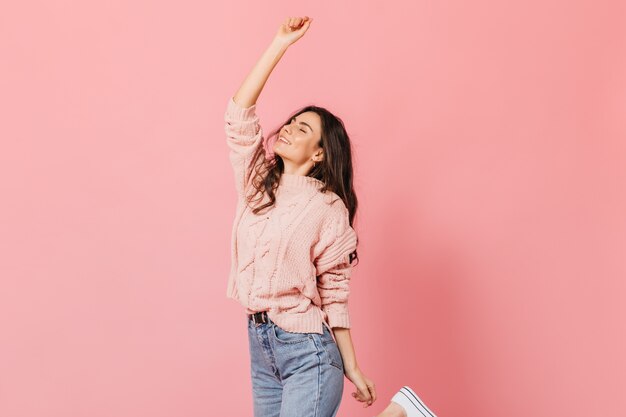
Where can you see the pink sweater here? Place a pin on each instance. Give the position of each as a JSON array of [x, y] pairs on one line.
[[291, 260]]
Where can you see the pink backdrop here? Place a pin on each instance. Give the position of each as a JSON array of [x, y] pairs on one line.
[[490, 152]]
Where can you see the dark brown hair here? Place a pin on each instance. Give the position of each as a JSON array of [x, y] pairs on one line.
[[335, 170]]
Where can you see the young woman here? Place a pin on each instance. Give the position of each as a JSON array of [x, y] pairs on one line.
[[293, 249]]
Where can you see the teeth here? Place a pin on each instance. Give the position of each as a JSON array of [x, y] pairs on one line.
[[284, 140]]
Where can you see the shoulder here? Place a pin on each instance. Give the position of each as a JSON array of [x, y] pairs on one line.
[[332, 205], [332, 214], [328, 198]]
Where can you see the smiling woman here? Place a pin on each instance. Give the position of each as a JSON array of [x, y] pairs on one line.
[[306, 140], [293, 248], [312, 142], [292, 253]]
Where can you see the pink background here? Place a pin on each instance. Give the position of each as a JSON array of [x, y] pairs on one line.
[[489, 149]]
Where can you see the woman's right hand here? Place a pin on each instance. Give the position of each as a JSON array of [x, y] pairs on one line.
[[292, 29]]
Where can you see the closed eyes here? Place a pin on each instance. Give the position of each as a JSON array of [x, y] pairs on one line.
[[293, 119]]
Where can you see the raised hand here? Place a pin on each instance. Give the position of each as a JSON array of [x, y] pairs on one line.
[[292, 29]]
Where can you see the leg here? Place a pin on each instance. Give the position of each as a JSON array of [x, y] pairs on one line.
[[267, 389], [312, 377], [393, 410]]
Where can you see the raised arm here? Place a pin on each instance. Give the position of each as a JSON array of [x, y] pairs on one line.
[[292, 29], [243, 131]]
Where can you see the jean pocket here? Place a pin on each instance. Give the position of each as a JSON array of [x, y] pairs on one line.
[[331, 348], [334, 355], [283, 336], [327, 336]]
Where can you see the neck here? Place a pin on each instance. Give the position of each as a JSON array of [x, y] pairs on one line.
[[300, 181]]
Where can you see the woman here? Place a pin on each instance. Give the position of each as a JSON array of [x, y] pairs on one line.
[[293, 248]]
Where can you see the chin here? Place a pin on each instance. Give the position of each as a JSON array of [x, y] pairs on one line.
[[277, 151]]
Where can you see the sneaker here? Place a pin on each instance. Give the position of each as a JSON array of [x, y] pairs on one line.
[[411, 403]]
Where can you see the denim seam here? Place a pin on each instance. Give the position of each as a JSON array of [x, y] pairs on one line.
[[267, 357], [277, 374], [319, 375]]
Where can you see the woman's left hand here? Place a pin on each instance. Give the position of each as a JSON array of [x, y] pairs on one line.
[[365, 389]]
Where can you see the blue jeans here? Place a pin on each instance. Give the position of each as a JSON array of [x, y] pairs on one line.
[[294, 374]]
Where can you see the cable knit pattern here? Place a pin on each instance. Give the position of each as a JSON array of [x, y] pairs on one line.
[[291, 259]]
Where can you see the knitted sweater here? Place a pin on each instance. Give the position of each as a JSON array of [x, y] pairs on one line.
[[292, 259]]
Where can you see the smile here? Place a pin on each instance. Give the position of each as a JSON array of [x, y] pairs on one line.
[[284, 140]]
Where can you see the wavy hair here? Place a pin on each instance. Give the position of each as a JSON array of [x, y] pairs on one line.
[[335, 170]]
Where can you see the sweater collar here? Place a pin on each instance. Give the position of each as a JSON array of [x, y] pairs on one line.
[[300, 181]]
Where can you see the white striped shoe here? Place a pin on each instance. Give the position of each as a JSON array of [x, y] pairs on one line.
[[411, 403]]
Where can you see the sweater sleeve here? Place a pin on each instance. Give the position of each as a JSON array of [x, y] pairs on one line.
[[243, 136], [333, 268]]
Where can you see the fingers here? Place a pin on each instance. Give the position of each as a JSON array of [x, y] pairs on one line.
[[359, 396], [368, 396], [294, 23], [372, 388], [366, 393]]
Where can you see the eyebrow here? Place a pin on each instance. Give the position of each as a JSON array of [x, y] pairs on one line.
[[303, 123]]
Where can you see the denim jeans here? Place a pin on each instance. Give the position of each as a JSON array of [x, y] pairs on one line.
[[294, 374]]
